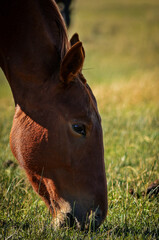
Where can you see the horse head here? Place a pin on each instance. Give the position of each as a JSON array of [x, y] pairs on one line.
[[56, 134], [76, 167]]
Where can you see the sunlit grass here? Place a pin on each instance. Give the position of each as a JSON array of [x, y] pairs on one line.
[[137, 92]]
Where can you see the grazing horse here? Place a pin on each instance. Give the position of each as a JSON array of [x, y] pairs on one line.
[[56, 134]]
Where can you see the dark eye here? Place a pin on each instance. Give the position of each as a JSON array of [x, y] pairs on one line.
[[79, 128]]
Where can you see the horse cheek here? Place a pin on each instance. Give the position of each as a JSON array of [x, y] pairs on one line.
[[28, 141]]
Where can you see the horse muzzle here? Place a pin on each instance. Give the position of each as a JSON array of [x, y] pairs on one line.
[[90, 222]]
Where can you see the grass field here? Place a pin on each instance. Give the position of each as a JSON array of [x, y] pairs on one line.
[[121, 40]]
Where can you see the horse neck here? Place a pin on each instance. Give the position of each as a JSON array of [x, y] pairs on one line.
[[33, 40]]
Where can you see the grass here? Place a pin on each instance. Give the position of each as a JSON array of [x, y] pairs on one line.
[[122, 55]]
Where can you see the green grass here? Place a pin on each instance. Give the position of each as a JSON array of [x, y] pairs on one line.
[[121, 41]]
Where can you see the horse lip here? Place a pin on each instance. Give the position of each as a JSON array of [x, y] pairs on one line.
[[91, 223], [68, 221], [71, 221]]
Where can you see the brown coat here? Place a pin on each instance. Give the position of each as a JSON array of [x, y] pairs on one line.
[[56, 134]]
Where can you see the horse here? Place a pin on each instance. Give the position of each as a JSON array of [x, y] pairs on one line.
[[64, 6], [56, 134]]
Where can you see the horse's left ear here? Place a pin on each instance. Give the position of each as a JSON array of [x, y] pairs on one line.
[[74, 40], [72, 63]]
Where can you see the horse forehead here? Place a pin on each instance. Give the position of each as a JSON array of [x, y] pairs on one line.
[[77, 100]]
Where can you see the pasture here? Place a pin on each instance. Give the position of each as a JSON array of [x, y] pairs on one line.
[[121, 41]]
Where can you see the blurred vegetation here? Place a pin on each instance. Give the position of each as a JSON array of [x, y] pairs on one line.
[[120, 37], [121, 40]]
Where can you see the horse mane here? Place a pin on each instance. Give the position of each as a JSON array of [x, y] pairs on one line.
[[51, 12]]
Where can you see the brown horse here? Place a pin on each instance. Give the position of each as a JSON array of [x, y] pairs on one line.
[[56, 134]]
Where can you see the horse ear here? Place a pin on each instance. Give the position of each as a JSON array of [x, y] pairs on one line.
[[72, 63], [74, 39]]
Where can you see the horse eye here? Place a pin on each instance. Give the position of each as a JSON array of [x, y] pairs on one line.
[[79, 128]]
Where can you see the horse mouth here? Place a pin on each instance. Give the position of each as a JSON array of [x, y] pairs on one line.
[[91, 222], [66, 221]]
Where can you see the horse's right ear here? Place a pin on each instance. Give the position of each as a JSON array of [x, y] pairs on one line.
[[72, 63]]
